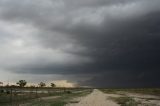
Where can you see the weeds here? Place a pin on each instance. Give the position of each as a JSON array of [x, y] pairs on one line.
[[125, 101], [60, 101]]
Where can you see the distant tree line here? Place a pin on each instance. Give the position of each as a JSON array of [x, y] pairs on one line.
[[23, 83]]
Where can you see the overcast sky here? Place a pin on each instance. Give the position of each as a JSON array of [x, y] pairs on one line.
[[101, 43]]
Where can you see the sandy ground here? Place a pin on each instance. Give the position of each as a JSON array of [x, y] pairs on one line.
[[96, 98], [143, 99]]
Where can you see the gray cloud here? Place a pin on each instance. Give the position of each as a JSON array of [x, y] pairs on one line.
[[103, 37]]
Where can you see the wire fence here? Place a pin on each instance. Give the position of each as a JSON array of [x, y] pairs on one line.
[[14, 96]]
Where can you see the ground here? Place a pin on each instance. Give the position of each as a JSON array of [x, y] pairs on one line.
[[81, 97], [118, 98], [96, 98]]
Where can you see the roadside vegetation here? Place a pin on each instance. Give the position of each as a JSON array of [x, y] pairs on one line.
[[40, 95], [125, 101], [121, 99], [44, 97], [61, 100], [150, 91], [135, 97]]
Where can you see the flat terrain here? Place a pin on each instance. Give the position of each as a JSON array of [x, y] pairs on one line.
[[118, 98], [79, 97], [135, 97], [39, 96]]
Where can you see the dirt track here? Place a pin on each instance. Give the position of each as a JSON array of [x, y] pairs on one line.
[[96, 98]]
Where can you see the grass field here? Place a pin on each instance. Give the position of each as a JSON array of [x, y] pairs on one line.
[[135, 97], [151, 91], [62, 96], [39, 96]]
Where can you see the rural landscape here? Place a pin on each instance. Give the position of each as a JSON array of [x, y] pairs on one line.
[[19, 95], [79, 52]]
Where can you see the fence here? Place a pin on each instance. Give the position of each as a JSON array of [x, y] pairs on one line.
[[13, 96]]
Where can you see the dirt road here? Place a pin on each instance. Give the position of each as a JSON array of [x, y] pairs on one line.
[[96, 98]]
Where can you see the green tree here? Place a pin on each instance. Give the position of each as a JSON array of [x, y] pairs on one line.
[[53, 85], [42, 84], [22, 83]]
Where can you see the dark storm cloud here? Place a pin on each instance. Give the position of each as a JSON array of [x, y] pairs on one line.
[[95, 3], [117, 40], [125, 79]]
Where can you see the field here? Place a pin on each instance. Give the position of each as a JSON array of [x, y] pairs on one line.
[[78, 97], [134, 97], [39, 96]]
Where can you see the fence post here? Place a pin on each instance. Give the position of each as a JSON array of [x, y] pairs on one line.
[[11, 99], [36, 93]]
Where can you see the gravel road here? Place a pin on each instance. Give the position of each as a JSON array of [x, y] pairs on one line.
[[96, 98]]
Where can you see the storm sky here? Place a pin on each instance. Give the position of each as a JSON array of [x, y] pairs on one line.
[[99, 43]]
